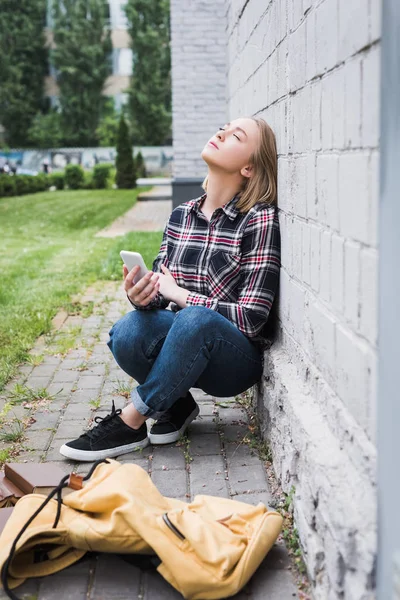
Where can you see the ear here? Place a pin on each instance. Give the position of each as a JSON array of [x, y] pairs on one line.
[[247, 171]]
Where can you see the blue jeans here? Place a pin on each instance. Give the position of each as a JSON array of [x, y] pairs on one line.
[[169, 352]]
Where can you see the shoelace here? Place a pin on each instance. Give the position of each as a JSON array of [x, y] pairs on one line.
[[57, 491], [104, 423]]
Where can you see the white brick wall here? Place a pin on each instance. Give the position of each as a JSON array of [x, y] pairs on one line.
[[311, 69], [198, 60]]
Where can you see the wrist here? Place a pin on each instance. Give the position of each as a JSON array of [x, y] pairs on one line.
[[180, 297]]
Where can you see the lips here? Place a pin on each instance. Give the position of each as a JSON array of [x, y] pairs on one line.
[[213, 144]]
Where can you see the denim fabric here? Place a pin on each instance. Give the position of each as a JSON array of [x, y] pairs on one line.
[[169, 352]]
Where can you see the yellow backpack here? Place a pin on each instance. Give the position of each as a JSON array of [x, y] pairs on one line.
[[220, 542]]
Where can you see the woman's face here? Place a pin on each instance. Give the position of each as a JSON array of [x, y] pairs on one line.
[[231, 147]]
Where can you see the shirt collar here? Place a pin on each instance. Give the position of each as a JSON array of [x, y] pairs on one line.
[[229, 207]]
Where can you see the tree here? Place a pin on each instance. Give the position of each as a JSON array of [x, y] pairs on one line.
[[150, 88], [82, 58], [23, 65], [107, 130], [46, 130], [140, 165], [126, 176]]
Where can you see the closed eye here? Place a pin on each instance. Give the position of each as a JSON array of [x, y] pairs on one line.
[[236, 136]]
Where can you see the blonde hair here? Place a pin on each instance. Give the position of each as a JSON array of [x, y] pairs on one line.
[[262, 185]]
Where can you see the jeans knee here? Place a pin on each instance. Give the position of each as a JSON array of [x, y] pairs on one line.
[[123, 335], [194, 319]]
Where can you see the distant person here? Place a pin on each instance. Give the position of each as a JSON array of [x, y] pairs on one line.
[[46, 166]]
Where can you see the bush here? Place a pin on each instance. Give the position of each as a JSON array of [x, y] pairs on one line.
[[126, 176], [140, 166], [101, 175], [42, 182], [74, 177], [7, 185], [58, 179], [23, 184], [87, 180]]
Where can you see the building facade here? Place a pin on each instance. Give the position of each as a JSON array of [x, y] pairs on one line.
[[311, 69], [120, 60]]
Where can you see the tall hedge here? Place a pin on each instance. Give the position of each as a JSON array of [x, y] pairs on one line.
[[149, 103], [23, 66], [82, 55], [126, 176]]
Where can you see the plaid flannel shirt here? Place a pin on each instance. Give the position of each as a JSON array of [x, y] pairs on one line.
[[230, 264]]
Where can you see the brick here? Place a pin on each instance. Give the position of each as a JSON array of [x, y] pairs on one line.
[[246, 478], [43, 370], [114, 579], [204, 444], [90, 382], [29, 589], [240, 454], [352, 77], [171, 483], [306, 253], [37, 383], [170, 457], [337, 273], [280, 583], [53, 453], [354, 197], [296, 58], [374, 197], [327, 190], [326, 39], [255, 498], [65, 376], [320, 339], [234, 433], [155, 586], [326, 266], [315, 256], [352, 378], [351, 38], [77, 412], [370, 94], [38, 440], [352, 282], [298, 184], [208, 476], [44, 420], [232, 415], [67, 429], [369, 295], [69, 584], [296, 241]]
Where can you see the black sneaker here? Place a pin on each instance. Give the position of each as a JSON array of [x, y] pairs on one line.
[[172, 424], [111, 437]]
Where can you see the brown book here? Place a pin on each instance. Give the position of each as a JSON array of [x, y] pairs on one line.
[[34, 478], [9, 493], [4, 516]]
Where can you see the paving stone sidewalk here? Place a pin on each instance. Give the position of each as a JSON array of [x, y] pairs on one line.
[[213, 460]]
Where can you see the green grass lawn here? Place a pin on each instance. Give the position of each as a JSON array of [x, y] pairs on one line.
[[49, 252]]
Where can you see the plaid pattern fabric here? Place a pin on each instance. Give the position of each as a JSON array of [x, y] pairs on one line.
[[230, 264]]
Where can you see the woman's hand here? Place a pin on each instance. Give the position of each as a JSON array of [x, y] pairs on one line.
[[143, 292], [168, 286]]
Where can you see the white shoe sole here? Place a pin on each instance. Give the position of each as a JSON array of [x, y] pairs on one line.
[[84, 456], [168, 438]]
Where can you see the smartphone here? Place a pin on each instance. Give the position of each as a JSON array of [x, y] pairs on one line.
[[131, 259]]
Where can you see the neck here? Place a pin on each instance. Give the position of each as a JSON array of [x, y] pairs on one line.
[[221, 188]]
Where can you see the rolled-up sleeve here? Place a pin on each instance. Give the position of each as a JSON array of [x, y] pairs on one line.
[[259, 275]]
